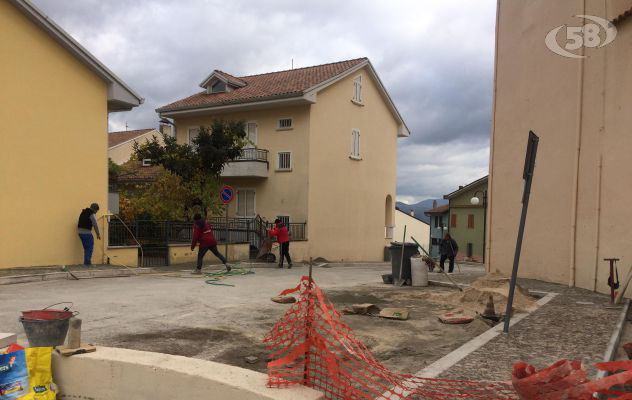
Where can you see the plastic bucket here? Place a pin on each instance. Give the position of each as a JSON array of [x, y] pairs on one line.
[[419, 271], [45, 333]]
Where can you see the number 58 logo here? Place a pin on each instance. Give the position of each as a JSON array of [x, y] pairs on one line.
[[578, 36]]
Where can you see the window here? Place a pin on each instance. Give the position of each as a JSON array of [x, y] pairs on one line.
[[193, 133], [218, 87], [284, 161], [453, 221], [357, 89], [436, 219], [285, 219], [251, 134], [470, 221], [355, 144], [245, 203], [285, 123], [146, 162], [435, 241]]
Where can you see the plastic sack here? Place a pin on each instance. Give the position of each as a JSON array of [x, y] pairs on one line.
[[40, 374], [14, 381]]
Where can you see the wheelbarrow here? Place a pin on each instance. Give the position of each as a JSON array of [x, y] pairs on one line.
[[265, 250]]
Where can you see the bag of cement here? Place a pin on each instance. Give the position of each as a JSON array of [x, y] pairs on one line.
[[14, 379]]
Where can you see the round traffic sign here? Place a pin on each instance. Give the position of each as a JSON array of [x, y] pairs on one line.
[[226, 194]]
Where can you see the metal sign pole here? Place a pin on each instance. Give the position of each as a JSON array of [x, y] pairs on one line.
[[529, 164], [226, 233]]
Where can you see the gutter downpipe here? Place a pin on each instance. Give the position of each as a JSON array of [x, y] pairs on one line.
[[488, 217], [580, 105]]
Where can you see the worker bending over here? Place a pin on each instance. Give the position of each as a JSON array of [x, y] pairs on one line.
[[283, 237]]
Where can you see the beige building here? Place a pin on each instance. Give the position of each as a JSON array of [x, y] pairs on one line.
[[415, 228], [324, 154], [579, 211], [121, 144], [55, 98]]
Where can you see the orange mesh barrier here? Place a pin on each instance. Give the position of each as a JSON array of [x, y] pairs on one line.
[[312, 346]]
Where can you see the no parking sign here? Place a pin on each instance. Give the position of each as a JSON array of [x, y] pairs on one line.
[[226, 194]]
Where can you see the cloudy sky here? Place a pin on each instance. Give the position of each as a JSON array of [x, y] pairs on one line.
[[434, 56]]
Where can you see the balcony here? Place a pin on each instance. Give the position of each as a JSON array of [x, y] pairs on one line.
[[253, 163]]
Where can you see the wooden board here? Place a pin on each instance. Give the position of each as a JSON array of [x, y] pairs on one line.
[[85, 348]]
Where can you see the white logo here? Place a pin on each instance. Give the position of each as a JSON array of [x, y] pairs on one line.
[[587, 36]]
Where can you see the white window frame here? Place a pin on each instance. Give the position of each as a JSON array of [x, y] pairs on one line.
[[285, 128], [357, 90], [189, 134], [254, 201], [355, 144], [146, 162], [250, 146], [278, 159]]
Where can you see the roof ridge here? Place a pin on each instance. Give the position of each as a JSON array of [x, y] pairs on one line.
[[308, 67], [132, 130]]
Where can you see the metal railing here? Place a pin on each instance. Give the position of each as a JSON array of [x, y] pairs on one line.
[[252, 154], [235, 230]]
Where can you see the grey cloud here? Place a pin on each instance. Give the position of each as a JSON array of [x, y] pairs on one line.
[[435, 58]]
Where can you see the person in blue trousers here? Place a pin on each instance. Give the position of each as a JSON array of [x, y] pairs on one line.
[[87, 221]]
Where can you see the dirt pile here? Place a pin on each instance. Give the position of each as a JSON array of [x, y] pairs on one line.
[[496, 285]]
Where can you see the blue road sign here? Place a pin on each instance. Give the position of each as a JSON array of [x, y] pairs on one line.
[[226, 194]]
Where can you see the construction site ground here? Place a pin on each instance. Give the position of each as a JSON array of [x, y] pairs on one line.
[[176, 313]]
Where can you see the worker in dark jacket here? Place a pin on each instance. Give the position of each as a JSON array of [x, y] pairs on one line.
[[87, 221], [283, 237], [448, 249], [203, 234]]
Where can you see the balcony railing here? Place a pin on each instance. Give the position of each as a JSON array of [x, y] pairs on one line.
[[253, 155]]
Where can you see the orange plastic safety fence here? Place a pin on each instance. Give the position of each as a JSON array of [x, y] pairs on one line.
[[312, 346]]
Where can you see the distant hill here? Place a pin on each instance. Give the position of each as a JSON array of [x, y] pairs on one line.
[[421, 207]]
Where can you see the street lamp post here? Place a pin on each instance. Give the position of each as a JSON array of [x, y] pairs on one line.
[[475, 201]]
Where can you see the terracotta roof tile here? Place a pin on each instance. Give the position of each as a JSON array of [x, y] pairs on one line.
[[134, 172], [272, 85], [115, 138]]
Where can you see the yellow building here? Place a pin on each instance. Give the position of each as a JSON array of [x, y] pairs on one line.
[[415, 228], [580, 107], [53, 155], [326, 152], [121, 144]]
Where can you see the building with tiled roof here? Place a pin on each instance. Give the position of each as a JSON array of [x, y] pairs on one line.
[[323, 151], [121, 144], [56, 98]]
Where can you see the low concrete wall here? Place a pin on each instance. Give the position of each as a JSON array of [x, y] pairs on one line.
[[179, 253], [127, 256], [116, 374]]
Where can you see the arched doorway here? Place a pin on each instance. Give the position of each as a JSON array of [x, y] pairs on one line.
[[388, 217]]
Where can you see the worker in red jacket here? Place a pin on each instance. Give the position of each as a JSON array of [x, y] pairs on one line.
[[283, 237], [203, 234]]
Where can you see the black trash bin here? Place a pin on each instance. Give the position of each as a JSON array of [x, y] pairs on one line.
[[396, 257]]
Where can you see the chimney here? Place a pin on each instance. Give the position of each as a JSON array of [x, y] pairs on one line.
[[434, 203], [412, 213], [460, 187]]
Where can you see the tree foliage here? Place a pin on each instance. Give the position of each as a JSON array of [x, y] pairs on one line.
[[191, 181], [210, 151]]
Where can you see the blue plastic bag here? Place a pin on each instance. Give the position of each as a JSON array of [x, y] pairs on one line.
[[14, 377]]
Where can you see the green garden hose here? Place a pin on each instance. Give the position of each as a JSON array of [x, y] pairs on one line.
[[216, 277]]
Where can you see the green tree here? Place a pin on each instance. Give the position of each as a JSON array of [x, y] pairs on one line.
[[198, 165]]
